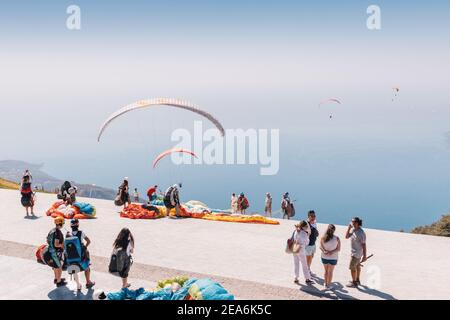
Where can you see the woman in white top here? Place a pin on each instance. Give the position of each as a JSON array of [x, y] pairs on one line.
[[330, 245], [301, 238]]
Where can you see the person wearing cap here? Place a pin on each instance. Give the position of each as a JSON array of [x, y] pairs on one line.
[[301, 238], [268, 205], [125, 193], [55, 242], [85, 242], [358, 250]]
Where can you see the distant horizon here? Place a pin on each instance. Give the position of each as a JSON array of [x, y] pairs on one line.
[[383, 155]]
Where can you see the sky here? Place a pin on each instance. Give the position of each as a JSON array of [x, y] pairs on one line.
[[252, 64]]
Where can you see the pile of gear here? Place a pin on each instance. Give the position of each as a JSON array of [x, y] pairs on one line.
[[77, 210], [144, 211], [178, 288]]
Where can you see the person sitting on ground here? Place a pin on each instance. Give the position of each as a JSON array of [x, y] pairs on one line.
[[330, 245], [27, 194], [311, 247], [358, 250], [172, 199], [85, 242], [124, 193], [151, 193], [243, 203], [55, 242], [125, 244], [268, 205]]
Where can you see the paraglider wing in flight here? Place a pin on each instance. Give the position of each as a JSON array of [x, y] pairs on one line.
[[330, 100], [167, 152], [141, 104]]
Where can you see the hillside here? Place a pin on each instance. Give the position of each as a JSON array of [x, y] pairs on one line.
[[12, 170], [439, 228], [6, 184]]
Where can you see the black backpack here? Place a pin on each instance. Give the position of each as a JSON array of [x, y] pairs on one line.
[[120, 262]]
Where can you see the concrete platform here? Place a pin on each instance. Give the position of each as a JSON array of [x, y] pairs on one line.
[[248, 259]]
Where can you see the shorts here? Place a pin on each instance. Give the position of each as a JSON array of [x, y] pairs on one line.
[[310, 250], [55, 260], [333, 262], [354, 262]]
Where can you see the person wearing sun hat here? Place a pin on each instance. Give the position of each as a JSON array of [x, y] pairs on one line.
[[55, 241]]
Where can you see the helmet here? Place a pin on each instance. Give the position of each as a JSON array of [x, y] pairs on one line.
[[59, 220], [74, 222], [99, 295]]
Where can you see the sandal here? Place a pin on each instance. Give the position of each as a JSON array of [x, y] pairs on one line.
[[90, 285]]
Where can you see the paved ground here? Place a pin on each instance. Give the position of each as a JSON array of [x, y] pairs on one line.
[[248, 259]]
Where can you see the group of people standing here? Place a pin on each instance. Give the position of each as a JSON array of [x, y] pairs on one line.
[[239, 204], [121, 257], [303, 247]]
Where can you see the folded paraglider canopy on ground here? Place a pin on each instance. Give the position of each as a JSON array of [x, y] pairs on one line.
[[78, 210], [190, 209], [138, 211], [183, 289]]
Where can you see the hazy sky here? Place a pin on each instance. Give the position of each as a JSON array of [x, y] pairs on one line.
[[253, 64]]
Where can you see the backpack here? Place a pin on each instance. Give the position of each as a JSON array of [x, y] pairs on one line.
[[120, 262], [73, 250], [168, 197]]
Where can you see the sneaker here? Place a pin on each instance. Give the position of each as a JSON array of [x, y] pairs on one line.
[[61, 284], [358, 282], [296, 281], [352, 284], [308, 282], [62, 279]]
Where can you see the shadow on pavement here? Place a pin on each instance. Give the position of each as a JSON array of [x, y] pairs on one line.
[[65, 293], [376, 293], [336, 292], [31, 217]]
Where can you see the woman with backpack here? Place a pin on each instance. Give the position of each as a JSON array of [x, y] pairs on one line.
[[121, 259], [27, 194]]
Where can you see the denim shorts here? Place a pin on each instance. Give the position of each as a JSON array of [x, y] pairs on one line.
[[329, 261]]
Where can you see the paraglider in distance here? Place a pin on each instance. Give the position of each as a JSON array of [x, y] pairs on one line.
[[330, 100], [141, 104], [396, 91], [167, 152]]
